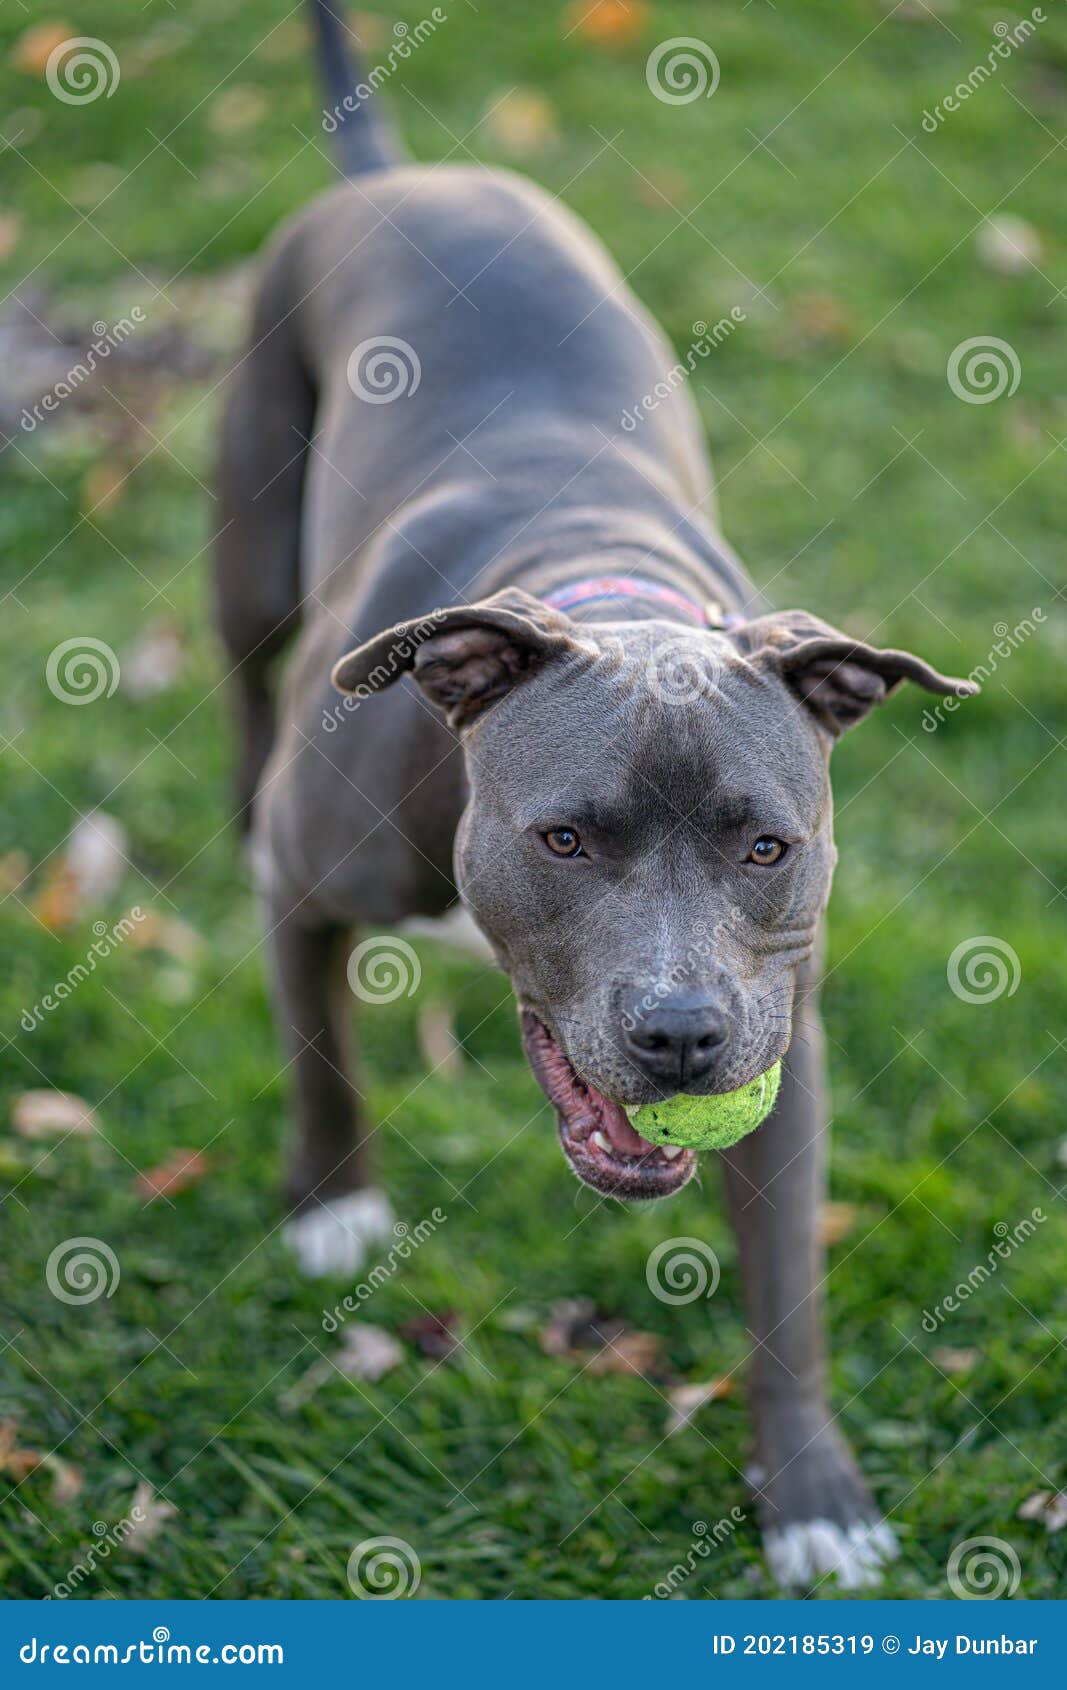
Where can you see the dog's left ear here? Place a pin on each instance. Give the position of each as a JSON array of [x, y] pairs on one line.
[[466, 657], [838, 678]]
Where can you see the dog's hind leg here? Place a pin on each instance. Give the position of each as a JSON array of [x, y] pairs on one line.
[[336, 1214], [817, 1515], [266, 426]]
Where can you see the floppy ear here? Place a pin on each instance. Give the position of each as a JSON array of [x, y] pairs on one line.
[[839, 678], [466, 657]]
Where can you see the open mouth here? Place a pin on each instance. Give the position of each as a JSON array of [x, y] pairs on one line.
[[598, 1141]]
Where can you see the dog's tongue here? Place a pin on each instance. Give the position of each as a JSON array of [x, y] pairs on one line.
[[616, 1124]]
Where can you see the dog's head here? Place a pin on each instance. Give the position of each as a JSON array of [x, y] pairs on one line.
[[647, 843]]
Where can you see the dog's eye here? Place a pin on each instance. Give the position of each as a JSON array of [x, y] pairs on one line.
[[563, 842], [767, 851]]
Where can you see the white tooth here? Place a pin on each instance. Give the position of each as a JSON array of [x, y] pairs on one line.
[[600, 1141], [671, 1151]]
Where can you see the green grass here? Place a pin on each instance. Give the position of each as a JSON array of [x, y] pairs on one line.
[[507, 1471]]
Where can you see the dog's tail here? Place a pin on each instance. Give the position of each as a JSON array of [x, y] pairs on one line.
[[354, 117]]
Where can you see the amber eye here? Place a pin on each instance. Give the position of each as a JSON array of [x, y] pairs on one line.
[[563, 842], [767, 851]]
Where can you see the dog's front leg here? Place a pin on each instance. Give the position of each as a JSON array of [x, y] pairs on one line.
[[337, 1214], [816, 1512]]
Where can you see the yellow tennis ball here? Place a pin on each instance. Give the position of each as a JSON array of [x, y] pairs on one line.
[[709, 1123]]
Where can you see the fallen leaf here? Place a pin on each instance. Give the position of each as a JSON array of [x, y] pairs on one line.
[[836, 1221], [521, 122], [181, 1169], [10, 232], [954, 1361], [237, 108], [367, 1352], [147, 1516], [154, 661], [817, 319], [569, 1322], [1009, 245], [576, 1327], [1047, 1506], [67, 1480], [438, 1044], [434, 1334], [607, 23], [637, 1353], [35, 46], [169, 934], [45, 1114], [686, 1399], [89, 871]]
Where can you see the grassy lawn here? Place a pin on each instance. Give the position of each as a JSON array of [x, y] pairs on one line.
[[855, 482]]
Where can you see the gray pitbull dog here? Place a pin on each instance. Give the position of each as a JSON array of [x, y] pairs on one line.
[[614, 753]]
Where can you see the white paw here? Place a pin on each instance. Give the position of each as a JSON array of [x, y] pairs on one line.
[[334, 1237], [802, 1554]]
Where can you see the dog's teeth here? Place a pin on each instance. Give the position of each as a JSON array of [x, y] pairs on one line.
[[671, 1151], [600, 1141]]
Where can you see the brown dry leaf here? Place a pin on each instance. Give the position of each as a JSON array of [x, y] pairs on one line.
[[181, 1169], [147, 1517], [155, 660], [836, 1221], [954, 1361], [817, 319], [576, 1327], [14, 867], [45, 1114], [88, 873], [686, 1399], [10, 233], [169, 934], [521, 122], [607, 23], [435, 1334], [1050, 1507], [237, 108], [67, 1480], [35, 46], [568, 1325], [639, 1353]]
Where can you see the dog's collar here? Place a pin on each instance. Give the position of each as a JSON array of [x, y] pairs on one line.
[[592, 589]]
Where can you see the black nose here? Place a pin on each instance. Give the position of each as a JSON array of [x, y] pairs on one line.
[[677, 1040]]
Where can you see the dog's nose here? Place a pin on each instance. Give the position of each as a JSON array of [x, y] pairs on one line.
[[677, 1040]]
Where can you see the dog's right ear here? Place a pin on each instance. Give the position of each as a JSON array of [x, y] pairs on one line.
[[464, 658]]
